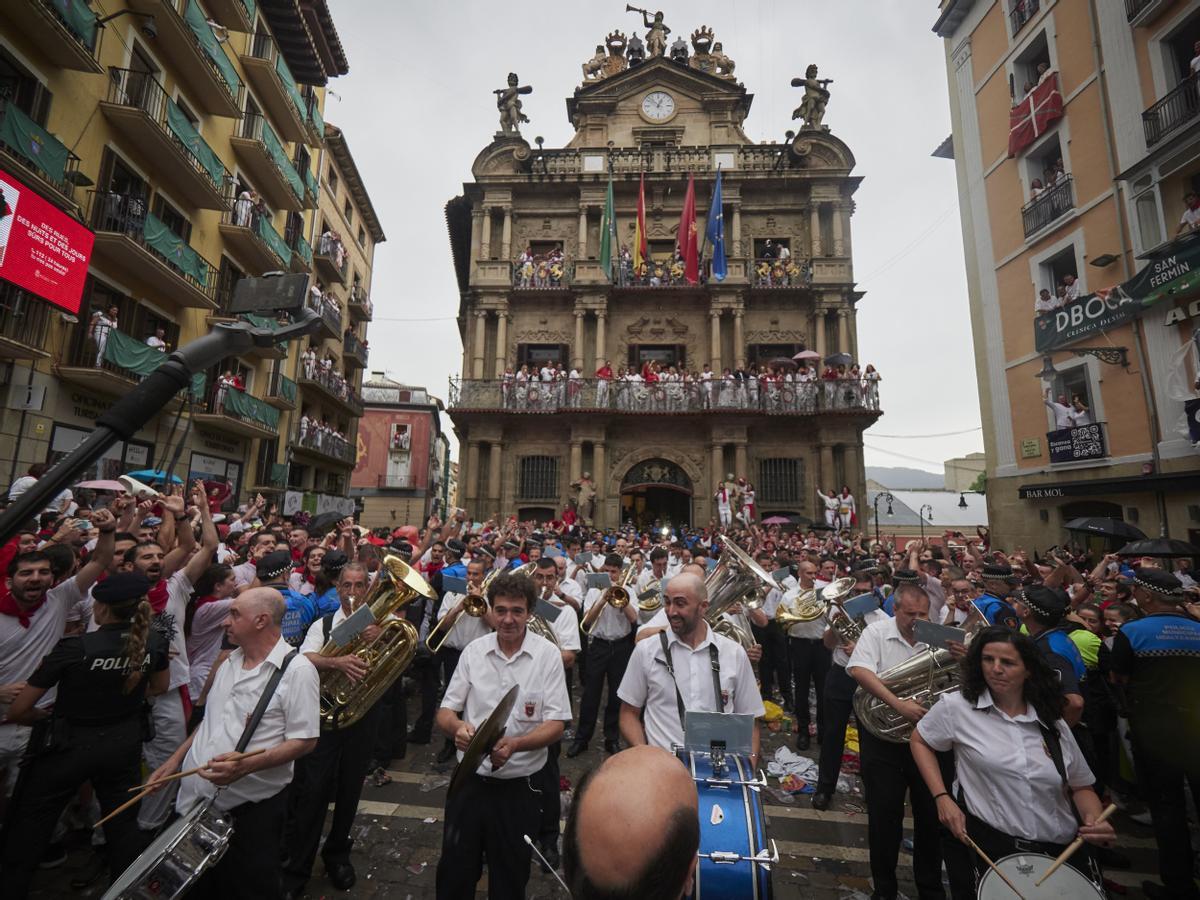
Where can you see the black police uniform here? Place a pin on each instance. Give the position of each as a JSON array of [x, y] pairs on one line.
[[94, 735]]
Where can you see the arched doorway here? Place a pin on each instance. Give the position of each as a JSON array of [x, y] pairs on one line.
[[656, 491]]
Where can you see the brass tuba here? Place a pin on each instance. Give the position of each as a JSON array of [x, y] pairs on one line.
[[807, 607], [736, 578], [924, 678], [833, 594], [345, 702], [617, 596]]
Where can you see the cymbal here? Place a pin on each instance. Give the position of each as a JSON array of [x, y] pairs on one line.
[[484, 739]]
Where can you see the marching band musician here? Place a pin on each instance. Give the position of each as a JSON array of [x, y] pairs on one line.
[[498, 804], [689, 666], [810, 659], [95, 731], [1021, 782], [250, 790], [465, 630], [337, 765], [888, 769], [608, 652]]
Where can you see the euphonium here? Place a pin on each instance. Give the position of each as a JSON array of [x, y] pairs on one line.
[[924, 678], [833, 594], [617, 596], [807, 607], [653, 601], [736, 578], [542, 628], [344, 702]]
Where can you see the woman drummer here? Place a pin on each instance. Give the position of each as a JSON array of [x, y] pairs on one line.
[[1021, 782], [94, 732]]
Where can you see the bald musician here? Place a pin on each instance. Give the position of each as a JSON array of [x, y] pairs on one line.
[[634, 829]]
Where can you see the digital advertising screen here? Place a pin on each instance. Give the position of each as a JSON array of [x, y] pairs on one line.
[[42, 249]]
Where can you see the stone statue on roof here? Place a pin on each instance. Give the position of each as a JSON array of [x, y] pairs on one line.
[[508, 101], [593, 69], [816, 96], [635, 54], [656, 37]]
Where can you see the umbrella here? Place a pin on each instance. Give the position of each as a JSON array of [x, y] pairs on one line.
[[839, 359], [1162, 547], [777, 520], [102, 484], [151, 475], [320, 524], [800, 520], [1106, 526], [782, 361], [806, 354]]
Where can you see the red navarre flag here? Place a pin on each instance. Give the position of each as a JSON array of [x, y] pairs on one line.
[[1041, 108], [687, 241]]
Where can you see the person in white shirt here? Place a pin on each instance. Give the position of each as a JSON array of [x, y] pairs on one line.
[[466, 628], [1046, 303], [498, 803], [158, 340], [653, 576], [609, 647], [689, 666], [1190, 220], [251, 789], [888, 769], [810, 660], [1080, 414], [1063, 414], [1016, 760], [1072, 288]]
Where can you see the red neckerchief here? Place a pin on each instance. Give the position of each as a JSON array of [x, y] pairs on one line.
[[158, 597], [10, 607], [297, 554], [207, 598]]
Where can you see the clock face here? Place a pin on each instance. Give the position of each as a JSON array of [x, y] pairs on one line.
[[658, 106]]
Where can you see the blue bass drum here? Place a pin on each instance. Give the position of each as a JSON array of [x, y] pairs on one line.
[[735, 855]]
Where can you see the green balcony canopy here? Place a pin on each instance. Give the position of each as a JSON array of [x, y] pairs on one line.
[[251, 7], [245, 407], [315, 117], [32, 142], [198, 22], [289, 84], [79, 19], [194, 144], [276, 152], [175, 249], [279, 472], [305, 251], [272, 239], [132, 355], [310, 182], [287, 389]]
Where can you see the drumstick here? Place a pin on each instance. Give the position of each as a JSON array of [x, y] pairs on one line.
[[149, 786], [1074, 845], [974, 846]]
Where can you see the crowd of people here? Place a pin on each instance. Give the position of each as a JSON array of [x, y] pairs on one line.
[[320, 434], [658, 387], [146, 632], [540, 270], [330, 244], [1065, 293], [321, 370], [1068, 414]]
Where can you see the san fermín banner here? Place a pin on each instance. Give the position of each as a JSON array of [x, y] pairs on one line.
[[1173, 273]]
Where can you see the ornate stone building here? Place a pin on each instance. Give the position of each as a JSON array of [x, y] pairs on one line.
[[526, 237]]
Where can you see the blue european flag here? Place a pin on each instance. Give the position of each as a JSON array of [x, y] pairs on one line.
[[714, 232]]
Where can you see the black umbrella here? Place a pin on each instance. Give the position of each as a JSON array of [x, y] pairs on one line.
[[800, 520], [1165, 548], [820, 526], [320, 524], [839, 359], [1106, 526]]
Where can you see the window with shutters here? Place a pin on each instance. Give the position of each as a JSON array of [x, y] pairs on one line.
[[538, 477], [780, 481]]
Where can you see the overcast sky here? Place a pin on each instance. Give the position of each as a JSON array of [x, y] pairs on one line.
[[417, 107]]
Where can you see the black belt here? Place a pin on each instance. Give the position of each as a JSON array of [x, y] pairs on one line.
[[612, 640]]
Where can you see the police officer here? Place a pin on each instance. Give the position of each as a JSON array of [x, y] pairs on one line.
[[301, 609], [1041, 610], [998, 582], [94, 733], [1156, 664]]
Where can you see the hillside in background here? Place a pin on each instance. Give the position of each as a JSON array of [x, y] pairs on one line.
[[903, 478]]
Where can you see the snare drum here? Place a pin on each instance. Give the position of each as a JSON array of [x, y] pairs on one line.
[[169, 866], [735, 855], [1024, 869]]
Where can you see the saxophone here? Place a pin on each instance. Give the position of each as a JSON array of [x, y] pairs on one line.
[[345, 702]]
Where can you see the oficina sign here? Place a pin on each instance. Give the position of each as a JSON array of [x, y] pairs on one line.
[[1174, 273]]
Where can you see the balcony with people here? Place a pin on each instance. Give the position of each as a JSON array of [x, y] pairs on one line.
[[328, 441], [259, 149], [139, 107], [196, 53], [330, 257], [354, 350], [133, 239], [359, 304], [318, 374], [65, 31], [774, 267], [1177, 110], [542, 269], [52, 171], [328, 307], [1051, 188], [269, 75], [233, 15], [1021, 13], [24, 323], [247, 229], [228, 407]]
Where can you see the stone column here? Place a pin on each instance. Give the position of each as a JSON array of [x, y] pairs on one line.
[[815, 219], [736, 234], [718, 464], [583, 222], [600, 479], [494, 473], [828, 474], [576, 460], [479, 344], [485, 240], [714, 319], [739, 460], [852, 322], [501, 343], [476, 233], [839, 248], [506, 235], [739, 340], [577, 347], [470, 478], [850, 470], [601, 342], [819, 334], [843, 333]]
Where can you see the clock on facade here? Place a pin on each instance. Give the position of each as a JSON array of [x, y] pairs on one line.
[[658, 106]]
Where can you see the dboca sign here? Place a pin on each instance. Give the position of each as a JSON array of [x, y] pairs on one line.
[[1095, 312]]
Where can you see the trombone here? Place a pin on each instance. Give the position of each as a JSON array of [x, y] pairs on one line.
[[474, 605], [617, 596]]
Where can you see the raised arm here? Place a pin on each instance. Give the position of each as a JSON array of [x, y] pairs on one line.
[[208, 537], [101, 558], [184, 540]]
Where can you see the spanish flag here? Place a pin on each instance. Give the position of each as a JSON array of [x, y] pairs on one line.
[[639, 230]]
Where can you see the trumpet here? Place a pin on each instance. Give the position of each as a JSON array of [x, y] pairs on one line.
[[617, 596], [629, 7]]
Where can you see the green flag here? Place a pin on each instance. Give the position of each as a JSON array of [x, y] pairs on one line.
[[609, 249]]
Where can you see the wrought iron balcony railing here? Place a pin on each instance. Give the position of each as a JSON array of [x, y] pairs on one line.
[[1053, 202], [1177, 108], [1022, 11]]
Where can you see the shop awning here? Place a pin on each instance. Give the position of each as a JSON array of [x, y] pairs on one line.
[[1138, 484]]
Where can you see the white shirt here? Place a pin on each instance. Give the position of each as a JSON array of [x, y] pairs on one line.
[[245, 573], [1042, 306], [314, 638], [840, 656], [484, 675], [1081, 417], [157, 343], [1190, 217], [467, 628], [1006, 775], [881, 647], [805, 630], [22, 649], [566, 628], [292, 714], [647, 683], [611, 624], [204, 643], [179, 592], [1062, 414]]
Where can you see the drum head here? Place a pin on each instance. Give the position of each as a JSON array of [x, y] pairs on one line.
[[156, 851], [1024, 869]]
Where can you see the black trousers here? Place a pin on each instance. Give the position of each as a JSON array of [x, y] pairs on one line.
[[774, 667], [334, 771], [488, 816], [251, 868], [388, 738], [837, 704], [996, 844], [606, 661], [110, 758], [546, 781], [811, 659], [1162, 781], [889, 773], [426, 671], [447, 660], [958, 858]]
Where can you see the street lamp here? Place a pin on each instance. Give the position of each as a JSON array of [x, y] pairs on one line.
[[921, 516], [882, 495], [962, 500]]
